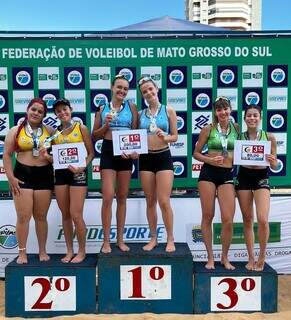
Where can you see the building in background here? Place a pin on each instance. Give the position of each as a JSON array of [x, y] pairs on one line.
[[230, 14]]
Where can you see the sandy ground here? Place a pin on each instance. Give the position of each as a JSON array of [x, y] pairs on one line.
[[284, 310]]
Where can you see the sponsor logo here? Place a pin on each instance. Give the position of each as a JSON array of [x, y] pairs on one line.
[[176, 76], [197, 234], [279, 167], [200, 75], [1, 148], [100, 99], [2, 101], [3, 77], [49, 99], [178, 168], [282, 98], [127, 74], [180, 123], [252, 98], [98, 145], [99, 76], [155, 77], [277, 121], [8, 237], [49, 121], [227, 76], [278, 75], [202, 100], [201, 122], [75, 77], [177, 100], [196, 167], [249, 75], [46, 77], [96, 168], [2, 170], [177, 145], [23, 78], [138, 233], [3, 124]]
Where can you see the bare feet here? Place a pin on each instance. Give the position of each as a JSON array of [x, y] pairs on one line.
[[44, 257], [260, 264], [210, 264], [106, 247], [170, 247], [227, 265], [250, 265], [79, 257], [68, 257], [151, 245], [22, 258], [122, 246]]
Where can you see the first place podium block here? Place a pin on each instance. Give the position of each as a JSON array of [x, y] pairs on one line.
[[241, 290], [139, 281], [50, 288]]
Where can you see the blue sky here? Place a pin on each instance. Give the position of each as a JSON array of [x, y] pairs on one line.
[[99, 15]]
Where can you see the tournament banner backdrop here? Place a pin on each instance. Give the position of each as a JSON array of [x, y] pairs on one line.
[[190, 73], [187, 228]]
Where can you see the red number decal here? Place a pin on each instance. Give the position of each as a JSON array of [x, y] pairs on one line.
[[62, 284], [46, 286], [230, 292], [157, 273], [248, 284], [136, 283]]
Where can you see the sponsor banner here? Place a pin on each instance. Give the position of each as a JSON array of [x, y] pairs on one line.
[[51, 120], [182, 122], [155, 73], [177, 77], [202, 99], [131, 96], [99, 98], [179, 148], [200, 120], [278, 76], [196, 168], [1, 147], [281, 139], [180, 167], [48, 78], [21, 99], [136, 230], [277, 98], [231, 94], [280, 170], [22, 78], [74, 78], [252, 96], [177, 98], [49, 96], [277, 121], [77, 99], [3, 79], [2, 173], [4, 124], [129, 73], [100, 77], [252, 76], [4, 101], [227, 76], [98, 147], [96, 168], [202, 76]]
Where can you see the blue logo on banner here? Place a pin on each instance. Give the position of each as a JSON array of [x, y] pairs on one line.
[[8, 237], [75, 77], [277, 121], [252, 98], [51, 122], [178, 168], [176, 76], [23, 78], [278, 75], [2, 101], [202, 100], [3, 124], [49, 99], [201, 122], [100, 99], [127, 73], [180, 123], [227, 76]]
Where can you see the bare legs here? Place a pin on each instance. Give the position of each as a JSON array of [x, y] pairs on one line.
[[71, 202], [261, 197], [157, 188], [226, 200], [122, 179], [32, 203]]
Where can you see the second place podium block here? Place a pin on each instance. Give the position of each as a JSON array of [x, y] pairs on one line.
[[138, 281]]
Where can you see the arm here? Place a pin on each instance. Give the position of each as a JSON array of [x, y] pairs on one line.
[[202, 140], [173, 136], [135, 116], [9, 149], [272, 158], [99, 131]]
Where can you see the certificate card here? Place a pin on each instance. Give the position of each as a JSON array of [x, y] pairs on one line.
[[67, 154], [129, 141], [251, 152]]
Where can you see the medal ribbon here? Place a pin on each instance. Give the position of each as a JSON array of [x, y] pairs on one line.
[[35, 137], [223, 137]]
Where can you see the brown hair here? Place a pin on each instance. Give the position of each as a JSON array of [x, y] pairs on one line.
[[220, 102], [253, 106]]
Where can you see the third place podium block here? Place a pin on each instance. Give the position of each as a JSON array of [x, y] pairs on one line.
[[222, 290], [139, 281]]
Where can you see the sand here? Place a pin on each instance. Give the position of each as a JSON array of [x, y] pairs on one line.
[[284, 310]]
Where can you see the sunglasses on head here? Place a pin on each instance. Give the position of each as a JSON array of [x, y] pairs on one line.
[[222, 98], [143, 80], [120, 76]]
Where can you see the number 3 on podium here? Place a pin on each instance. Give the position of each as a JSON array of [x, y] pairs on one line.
[[145, 282], [235, 293]]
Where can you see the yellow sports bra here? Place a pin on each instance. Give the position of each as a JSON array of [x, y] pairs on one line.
[[74, 136], [25, 141]]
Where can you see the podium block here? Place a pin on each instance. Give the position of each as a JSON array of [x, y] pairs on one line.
[[139, 281], [222, 290], [51, 288]]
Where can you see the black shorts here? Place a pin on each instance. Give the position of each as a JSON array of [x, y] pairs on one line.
[[109, 161], [252, 179], [156, 161], [65, 176], [217, 175], [34, 177]]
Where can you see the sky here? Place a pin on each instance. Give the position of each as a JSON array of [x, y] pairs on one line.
[[100, 15]]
